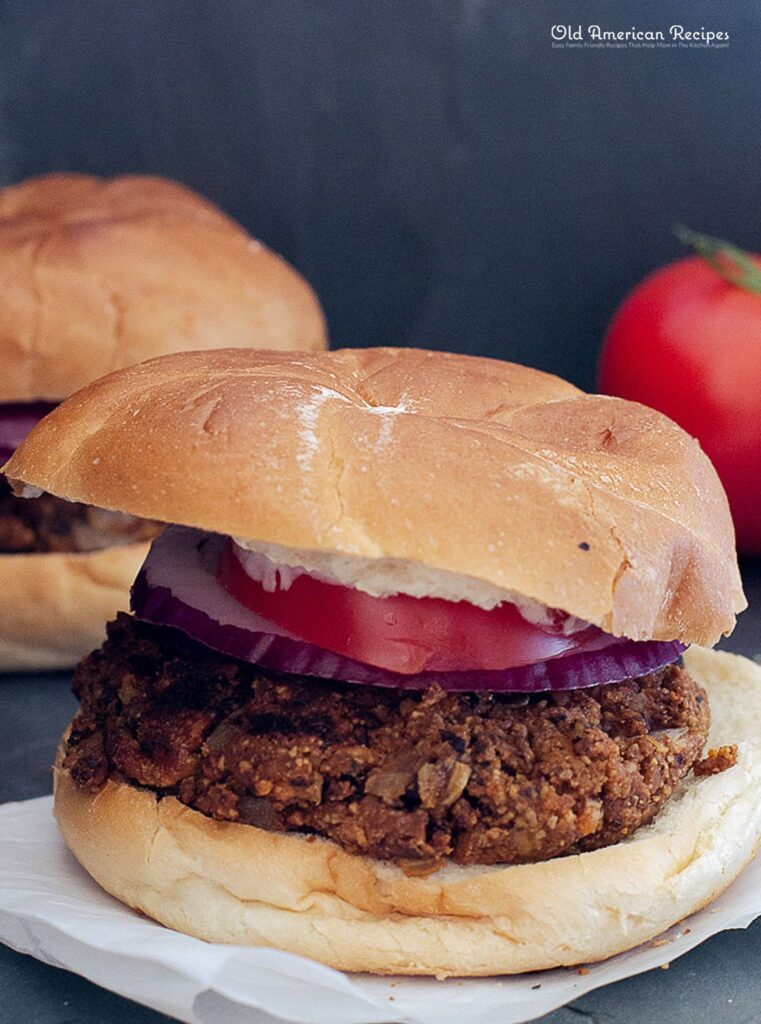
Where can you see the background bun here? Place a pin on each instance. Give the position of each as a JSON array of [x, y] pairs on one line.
[[54, 607], [100, 273], [468, 466], [235, 883]]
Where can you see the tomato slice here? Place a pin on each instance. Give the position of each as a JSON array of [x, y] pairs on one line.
[[399, 633]]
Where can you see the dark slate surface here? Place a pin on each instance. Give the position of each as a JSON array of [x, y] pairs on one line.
[[718, 983]]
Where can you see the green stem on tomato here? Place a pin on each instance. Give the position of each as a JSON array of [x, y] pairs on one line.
[[734, 265]]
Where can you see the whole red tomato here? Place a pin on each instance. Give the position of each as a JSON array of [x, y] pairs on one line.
[[687, 341]]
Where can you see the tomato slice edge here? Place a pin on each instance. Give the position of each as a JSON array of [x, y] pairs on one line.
[[399, 633]]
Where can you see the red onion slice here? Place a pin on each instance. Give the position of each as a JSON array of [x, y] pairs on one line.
[[16, 420], [177, 587]]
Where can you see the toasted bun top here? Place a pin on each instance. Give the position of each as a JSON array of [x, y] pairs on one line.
[[96, 274], [474, 467]]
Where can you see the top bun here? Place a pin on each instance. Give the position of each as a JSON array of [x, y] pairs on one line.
[[96, 274], [476, 468]]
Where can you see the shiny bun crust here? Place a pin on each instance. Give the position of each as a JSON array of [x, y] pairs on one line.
[[53, 606], [466, 466], [100, 273], [238, 884]]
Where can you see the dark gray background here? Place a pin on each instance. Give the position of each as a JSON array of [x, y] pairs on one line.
[[440, 174]]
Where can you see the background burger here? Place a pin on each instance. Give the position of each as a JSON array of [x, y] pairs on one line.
[[97, 274], [405, 688]]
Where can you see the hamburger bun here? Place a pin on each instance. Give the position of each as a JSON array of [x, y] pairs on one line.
[[471, 477], [233, 883], [54, 606], [477, 475], [97, 274]]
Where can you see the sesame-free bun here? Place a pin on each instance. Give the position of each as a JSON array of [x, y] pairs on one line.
[[474, 473], [54, 606], [233, 883], [98, 273]]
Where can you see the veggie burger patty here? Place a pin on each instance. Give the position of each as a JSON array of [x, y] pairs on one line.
[[403, 775], [51, 524]]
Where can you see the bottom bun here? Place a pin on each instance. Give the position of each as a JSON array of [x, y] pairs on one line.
[[238, 884], [54, 606]]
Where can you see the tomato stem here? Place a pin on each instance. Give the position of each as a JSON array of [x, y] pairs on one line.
[[728, 260]]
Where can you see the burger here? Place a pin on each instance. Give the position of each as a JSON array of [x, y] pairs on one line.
[[409, 683], [97, 274]]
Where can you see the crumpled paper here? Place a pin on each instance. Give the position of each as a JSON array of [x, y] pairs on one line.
[[51, 909]]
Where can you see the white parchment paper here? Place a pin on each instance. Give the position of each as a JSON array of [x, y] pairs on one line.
[[52, 910]]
